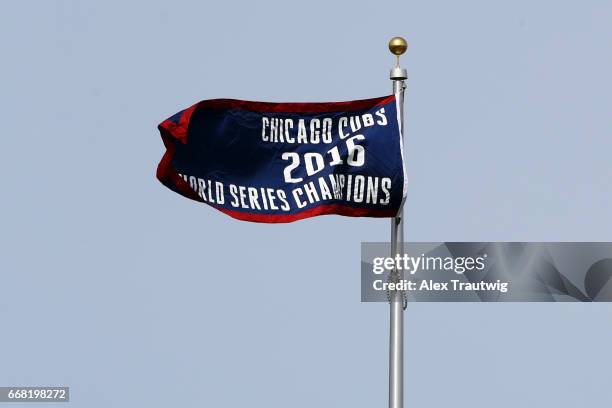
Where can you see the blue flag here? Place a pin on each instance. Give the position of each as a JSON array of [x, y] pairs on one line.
[[282, 162]]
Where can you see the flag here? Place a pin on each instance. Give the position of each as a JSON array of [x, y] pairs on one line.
[[282, 162]]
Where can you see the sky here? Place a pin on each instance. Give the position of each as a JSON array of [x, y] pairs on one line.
[[135, 296]]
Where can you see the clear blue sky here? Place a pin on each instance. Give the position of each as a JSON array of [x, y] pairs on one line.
[[134, 296]]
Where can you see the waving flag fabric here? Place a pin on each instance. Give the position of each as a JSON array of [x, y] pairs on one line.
[[281, 162]]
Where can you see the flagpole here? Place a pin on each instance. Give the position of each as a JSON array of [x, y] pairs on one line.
[[397, 46]]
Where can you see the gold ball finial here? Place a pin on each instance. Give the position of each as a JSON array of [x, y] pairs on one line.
[[398, 46]]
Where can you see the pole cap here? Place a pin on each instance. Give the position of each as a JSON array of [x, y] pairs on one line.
[[398, 46]]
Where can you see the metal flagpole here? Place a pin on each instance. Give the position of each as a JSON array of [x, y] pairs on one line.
[[397, 46]]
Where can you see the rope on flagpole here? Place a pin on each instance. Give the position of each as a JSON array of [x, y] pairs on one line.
[[395, 277]]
